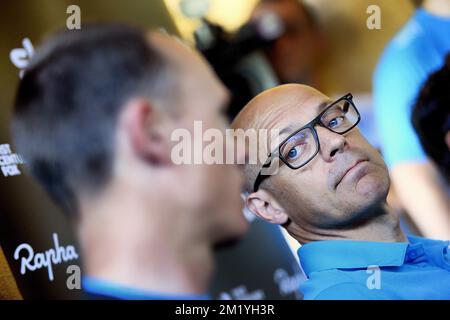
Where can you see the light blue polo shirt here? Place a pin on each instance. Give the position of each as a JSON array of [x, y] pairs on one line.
[[413, 54], [363, 270], [96, 286]]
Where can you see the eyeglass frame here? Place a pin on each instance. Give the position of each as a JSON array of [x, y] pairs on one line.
[[311, 125]]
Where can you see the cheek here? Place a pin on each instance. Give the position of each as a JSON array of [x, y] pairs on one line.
[[228, 203], [224, 184], [301, 190], [378, 179], [360, 143], [372, 187], [374, 184], [377, 159]]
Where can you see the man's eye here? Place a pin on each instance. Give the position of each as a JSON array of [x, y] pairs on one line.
[[335, 122], [294, 152]]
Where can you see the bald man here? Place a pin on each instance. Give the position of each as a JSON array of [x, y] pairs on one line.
[[329, 192]]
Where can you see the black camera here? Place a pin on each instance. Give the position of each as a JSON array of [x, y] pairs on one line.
[[238, 58]]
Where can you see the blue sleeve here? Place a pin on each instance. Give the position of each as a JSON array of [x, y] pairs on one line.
[[397, 82], [350, 291]]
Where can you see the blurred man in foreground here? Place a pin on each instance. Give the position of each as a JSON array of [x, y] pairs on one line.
[[93, 118], [330, 194]]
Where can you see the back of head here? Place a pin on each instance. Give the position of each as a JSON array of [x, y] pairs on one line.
[[431, 117], [68, 101]]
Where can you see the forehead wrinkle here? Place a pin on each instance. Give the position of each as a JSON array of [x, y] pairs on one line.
[[291, 127], [272, 120], [276, 108]]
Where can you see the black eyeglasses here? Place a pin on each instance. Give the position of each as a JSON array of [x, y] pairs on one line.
[[302, 146]]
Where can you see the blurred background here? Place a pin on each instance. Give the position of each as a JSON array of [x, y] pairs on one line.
[[327, 44]]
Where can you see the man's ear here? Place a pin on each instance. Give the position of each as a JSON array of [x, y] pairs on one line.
[[141, 122], [264, 205]]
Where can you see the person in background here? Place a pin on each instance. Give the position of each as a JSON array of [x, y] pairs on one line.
[[295, 56], [93, 117], [431, 119], [416, 51], [329, 192]]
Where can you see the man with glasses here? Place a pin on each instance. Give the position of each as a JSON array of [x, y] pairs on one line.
[[328, 189]]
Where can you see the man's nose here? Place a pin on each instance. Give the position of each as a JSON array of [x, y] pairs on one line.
[[331, 143]]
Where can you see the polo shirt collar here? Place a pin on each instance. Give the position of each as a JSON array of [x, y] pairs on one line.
[[349, 254]]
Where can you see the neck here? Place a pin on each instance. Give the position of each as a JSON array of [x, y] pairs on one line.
[[141, 245], [383, 227], [437, 7]]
